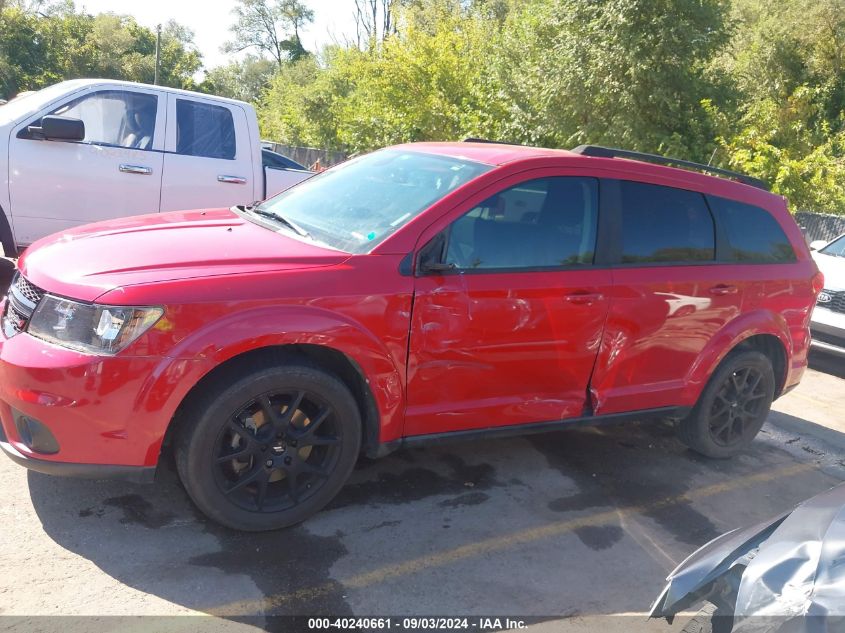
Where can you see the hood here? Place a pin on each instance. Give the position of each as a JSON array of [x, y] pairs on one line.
[[833, 269], [86, 262], [790, 567]]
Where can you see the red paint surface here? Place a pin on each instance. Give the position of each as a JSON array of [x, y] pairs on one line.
[[440, 353]]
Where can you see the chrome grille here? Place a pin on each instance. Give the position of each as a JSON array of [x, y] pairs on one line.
[[837, 300], [26, 289], [23, 298]]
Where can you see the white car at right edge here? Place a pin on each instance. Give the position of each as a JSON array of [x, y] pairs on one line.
[[828, 322]]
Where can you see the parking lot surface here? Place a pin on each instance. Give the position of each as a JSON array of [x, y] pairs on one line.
[[566, 525]]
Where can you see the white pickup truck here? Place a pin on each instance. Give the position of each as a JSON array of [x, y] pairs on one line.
[[91, 149]]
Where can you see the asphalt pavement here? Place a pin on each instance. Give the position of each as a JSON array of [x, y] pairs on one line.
[[566, 527]]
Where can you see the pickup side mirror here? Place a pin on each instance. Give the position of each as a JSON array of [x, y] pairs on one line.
[[59, 128], [817, 245]]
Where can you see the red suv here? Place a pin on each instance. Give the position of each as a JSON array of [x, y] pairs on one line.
[[420, 292]]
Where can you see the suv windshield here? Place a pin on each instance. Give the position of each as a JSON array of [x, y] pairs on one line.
[[356, 205], [835, 248]]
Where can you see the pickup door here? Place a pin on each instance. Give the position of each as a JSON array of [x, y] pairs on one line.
[[114, 172], [211, 161]]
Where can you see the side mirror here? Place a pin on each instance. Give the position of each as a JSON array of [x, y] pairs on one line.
[[59, 128], [817, 245]]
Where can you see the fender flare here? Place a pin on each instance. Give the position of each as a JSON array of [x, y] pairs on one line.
[[727, 339], [227, 338]]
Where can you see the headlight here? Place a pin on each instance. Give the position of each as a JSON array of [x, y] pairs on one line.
[[90, 328]]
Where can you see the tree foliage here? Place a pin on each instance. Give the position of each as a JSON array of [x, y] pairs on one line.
[[270, 27], [749, 84], [752, 85], [38, 48]]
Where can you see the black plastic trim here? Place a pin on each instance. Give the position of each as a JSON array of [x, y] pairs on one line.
[[528, 429], [599, 151], [135, 474], [406, 266], [6, 236]]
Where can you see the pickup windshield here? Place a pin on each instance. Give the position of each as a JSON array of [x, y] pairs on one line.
[[357, 205], [22, 106]]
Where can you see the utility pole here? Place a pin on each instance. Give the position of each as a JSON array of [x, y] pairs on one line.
[[158, 51]]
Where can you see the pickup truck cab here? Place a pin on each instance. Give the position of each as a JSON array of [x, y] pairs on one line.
[[89, 150]]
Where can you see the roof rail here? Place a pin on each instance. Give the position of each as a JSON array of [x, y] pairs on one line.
[[471, 139], [610, 152]]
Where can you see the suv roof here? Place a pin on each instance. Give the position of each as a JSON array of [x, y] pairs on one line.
[[697, 174]]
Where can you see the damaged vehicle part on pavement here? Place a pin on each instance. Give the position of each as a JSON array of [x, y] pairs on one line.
[[783, 575]]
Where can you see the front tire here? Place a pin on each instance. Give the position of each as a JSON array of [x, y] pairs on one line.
[[270, 449], [733, 406]]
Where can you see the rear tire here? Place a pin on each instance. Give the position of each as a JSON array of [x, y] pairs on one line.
[[733, 406], [270, 449]]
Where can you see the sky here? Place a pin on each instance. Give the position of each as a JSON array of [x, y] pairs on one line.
[[210, 20]]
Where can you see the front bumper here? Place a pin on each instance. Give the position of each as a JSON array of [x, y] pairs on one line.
[[106, 415], [135, 474], [828, 331]]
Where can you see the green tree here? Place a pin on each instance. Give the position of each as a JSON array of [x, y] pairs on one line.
[[788, 126], [38, 48], [244, 79], [629, 73], [428, 81], [272, 27]]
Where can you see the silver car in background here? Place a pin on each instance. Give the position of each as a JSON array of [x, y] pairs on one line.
[[828, 322]]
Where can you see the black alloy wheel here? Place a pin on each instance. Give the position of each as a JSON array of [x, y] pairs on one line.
[[737, 406], [268, 448], [732, 407]]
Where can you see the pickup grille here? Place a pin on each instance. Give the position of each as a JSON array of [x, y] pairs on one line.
[[837, 300], [23, 298]]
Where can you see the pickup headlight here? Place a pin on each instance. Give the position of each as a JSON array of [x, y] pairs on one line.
[[91, 328]]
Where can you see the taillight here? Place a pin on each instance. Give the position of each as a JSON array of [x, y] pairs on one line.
[[818, 282]]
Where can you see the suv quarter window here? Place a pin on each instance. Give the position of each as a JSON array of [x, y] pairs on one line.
[[664, 225], [544, 223], [753, 234], [204, 129]]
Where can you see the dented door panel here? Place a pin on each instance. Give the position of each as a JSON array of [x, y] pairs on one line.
[[499, 349]]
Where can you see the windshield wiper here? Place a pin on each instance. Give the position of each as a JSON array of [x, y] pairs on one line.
[[257, 210]]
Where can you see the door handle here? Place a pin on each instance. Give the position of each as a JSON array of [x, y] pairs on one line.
[[135, 169], [231, 180], [584, 298], [722, 290]]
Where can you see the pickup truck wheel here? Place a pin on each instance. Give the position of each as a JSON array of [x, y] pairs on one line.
[[271, 449], [732, 407]]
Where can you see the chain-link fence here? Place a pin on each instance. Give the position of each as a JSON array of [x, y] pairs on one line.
[[310, 157], [820, 226]]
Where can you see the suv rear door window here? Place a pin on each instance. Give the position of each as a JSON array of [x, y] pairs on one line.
[[663, 224], [543, 223], [203, 129], [753, 234]]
